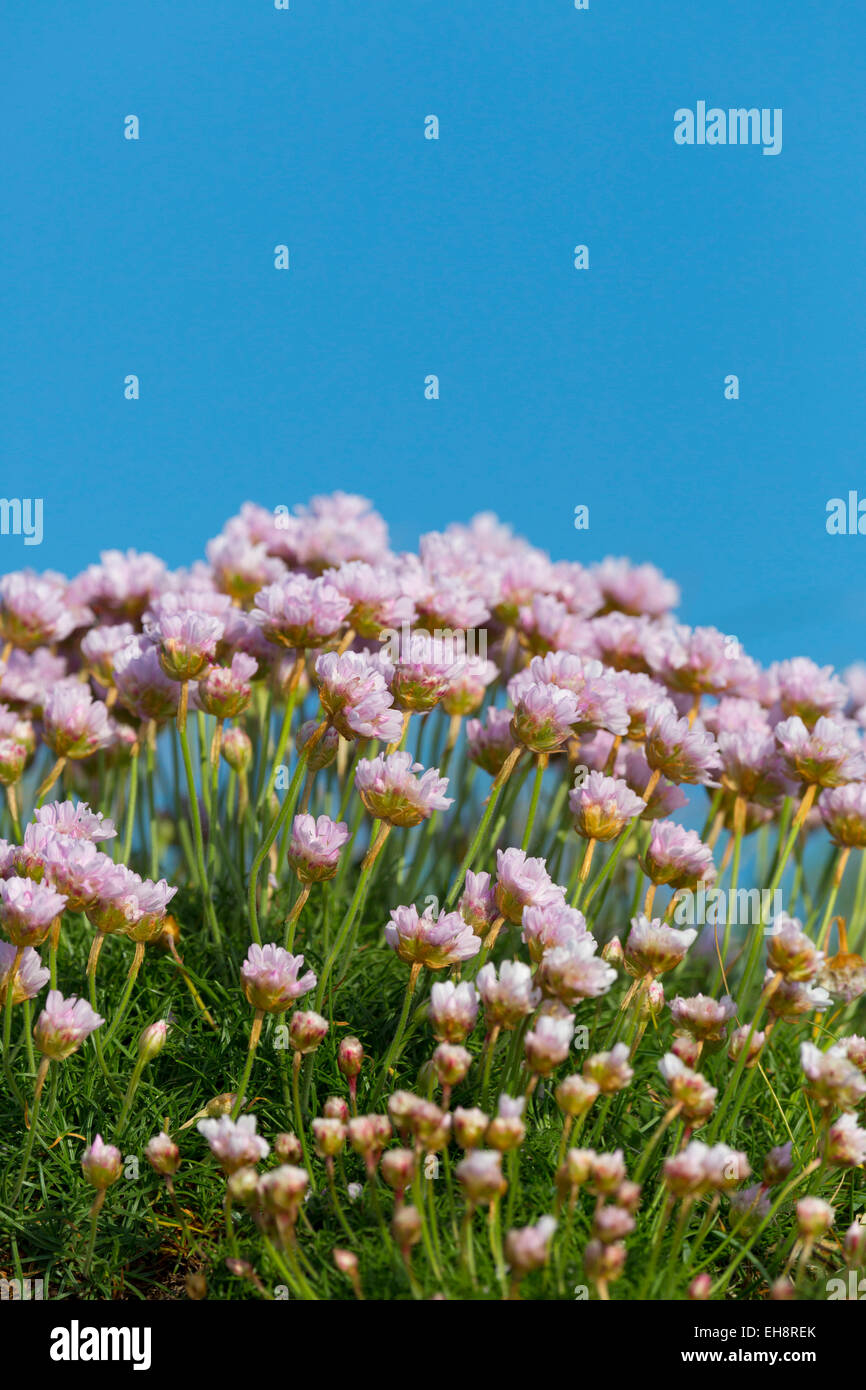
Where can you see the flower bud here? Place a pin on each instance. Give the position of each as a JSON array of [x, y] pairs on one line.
[[469, 1127], [330, 1137], [612, 952], [576, 1095], [237, 749], [406, 1227], [854, 1244], [335, 1108], [777, 1165], [152, 1040], [288, 1148], [814, 1217], [398, 1169], [451, 1063], [162, 1154], [350, 1057], [243, 1186], [307, 1031], [101, 1163], [346, 1262], [699, 1288], [603, 1262]]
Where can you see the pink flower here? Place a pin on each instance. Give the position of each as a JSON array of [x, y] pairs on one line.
[[374, 592], [546, 926], [240, 565], [829, 755], [432, 942], [74, 725], [74, 868], [790, 952], [75, 819], [30, 977], [13, 758], [843, 811], [478, 902], [392, 791], [508, 996], [807, 690], [63, 1025], [678, 857], [271, 978], [653, 948], [467, 683], [688, 1088], [35, 610], [99, 648], [610, 1071], [751, 767], [681, 753], [27, 910], [694, 660], [225, 691], [142, 685], [234, 1144], [299, 611], [324, 752], [603, 806], [635, 589], [453, 1010], [314, 848], [625, 643], [356, 698], [187, 643], [704, 1018], [543, 717], [831, 1079], [122, 584], [528, 1248], [489, 742], [548, 1043], [572, 973], [665, 798], [522, 882], [421, 674], [640, 693], [162, 1154]]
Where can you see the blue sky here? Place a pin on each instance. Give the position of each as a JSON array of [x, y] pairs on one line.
[[453, 257]]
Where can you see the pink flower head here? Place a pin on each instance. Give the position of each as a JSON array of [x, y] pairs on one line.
[[694, 660], [392, 791], [480, 1175], [237, 749], [225, 691], [509, 995], [829, 755], [13, 759], [121, 900], [63, 1025], [355, 696], [792, 998], [688, 1088], [572, 973], [548, 1043], [421, 674], [751, 767], [528, 1247], [665, 798], [101, 1163], [490, 741], [831, 1079], [640, 693], [335, 528], [374, 593], [122, 584], [272, 980], [314, 848], [30, 977], [234, 1143], [843, 811], [35, 610], [602, 806], [547, 926], [653, 948], [846, 1143], [74, 725], [299, 611], [678, 857], [434, 942], [99, 648], [610, 1071], [625, 643], [76, 820], [142, 685], [704, 1018], [240, 565], [453, 1010], [790, 952], [187, 643], [478, 902], [162, 1154], [807, 690], [28, 677], [324, 751], [681, 753], [27, 910], [599, 702], [635, 589], [74, 868], [151, 903], [522, 882], [466, 685], [543, 717]]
